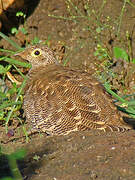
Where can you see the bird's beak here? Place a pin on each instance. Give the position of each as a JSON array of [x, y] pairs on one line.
[[17, 54], [21, 54]]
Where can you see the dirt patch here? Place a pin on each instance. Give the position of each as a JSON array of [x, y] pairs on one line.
[[82, 155]]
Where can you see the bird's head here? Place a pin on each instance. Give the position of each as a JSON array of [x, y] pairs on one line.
[[38, 55]]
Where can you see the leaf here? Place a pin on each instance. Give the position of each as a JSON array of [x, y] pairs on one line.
[[133, 60], [14, 30], [24, 31], [14, 61], [98, 30], [120, 53], [19, 154], [36, 40], [2, 70]]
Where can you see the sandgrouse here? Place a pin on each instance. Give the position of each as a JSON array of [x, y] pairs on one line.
[[59, 100]]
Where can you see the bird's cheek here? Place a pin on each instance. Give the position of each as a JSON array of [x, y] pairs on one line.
[[29, 58]]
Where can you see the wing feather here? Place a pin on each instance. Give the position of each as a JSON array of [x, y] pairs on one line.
[[64, 100]]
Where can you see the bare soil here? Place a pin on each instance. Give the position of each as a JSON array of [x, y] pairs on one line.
[[89, 155]]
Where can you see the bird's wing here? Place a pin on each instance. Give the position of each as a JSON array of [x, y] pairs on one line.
[[68, 101], [84, 100]]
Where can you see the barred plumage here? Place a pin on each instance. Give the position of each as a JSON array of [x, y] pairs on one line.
[[59, 100]]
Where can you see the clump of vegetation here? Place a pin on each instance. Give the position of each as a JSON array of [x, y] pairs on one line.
[[90, 21], [12, 164], [23, 29], [9, 105]]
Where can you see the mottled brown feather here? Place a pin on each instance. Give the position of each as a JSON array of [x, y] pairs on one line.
[[59, 100]]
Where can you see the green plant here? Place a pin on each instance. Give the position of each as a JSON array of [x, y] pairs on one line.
[[86, 19], [14, 30], [122, 13], [90, 19], [36, 158], [12, 162], [127, 106], [35, 40], [127, 103], [102, 52], [122, 54], [11, 99]]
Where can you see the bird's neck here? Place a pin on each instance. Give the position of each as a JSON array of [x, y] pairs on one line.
[[41, 69]]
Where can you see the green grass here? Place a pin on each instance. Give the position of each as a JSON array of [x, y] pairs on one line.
[[11, 99]]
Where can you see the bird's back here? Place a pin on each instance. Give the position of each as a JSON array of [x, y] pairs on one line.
[[59, 100]]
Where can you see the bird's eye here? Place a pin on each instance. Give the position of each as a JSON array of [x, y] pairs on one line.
[[36, 53]]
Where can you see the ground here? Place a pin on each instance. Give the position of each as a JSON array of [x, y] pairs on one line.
[[81, 155]]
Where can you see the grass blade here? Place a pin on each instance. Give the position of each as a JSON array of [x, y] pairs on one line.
[[10, 41]]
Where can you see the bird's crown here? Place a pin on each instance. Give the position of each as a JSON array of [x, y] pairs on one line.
[[38, 55]]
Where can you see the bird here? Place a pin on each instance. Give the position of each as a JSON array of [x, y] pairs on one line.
[[59, 99]]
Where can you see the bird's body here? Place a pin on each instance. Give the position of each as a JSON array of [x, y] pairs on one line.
[[59, 100]]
